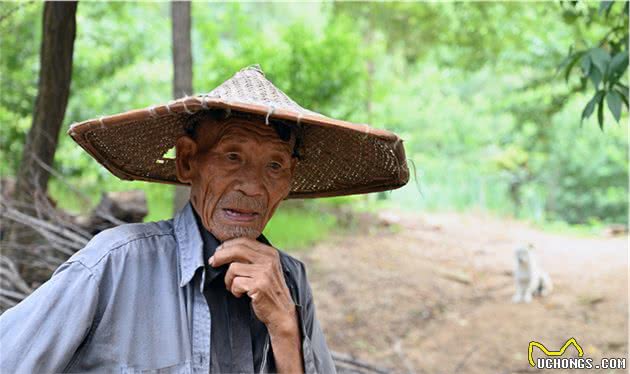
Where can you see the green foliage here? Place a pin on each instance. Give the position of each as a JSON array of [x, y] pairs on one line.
[[587, 177], [605, 62], [19, 64], [317, 67]]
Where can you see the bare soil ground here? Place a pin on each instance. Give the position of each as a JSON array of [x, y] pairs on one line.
[[434, 296]]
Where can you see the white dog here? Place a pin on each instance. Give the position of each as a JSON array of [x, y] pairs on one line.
[[529, 278]]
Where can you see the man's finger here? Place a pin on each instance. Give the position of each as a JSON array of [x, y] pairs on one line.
[[238, 269], [238, 253], [239, 242], [251, 243], [241, 286]]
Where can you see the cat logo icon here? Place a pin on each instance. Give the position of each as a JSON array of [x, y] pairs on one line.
[[547, 352]]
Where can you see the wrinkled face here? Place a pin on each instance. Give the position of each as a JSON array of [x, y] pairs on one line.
[[239, 172]]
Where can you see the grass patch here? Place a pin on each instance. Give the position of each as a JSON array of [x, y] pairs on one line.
[[293, 229], [593, 228]]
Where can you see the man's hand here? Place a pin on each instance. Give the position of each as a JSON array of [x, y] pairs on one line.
[[255, 270]]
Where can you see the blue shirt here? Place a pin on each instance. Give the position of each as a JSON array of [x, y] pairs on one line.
[[132, 301]]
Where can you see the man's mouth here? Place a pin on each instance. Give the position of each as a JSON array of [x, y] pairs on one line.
[[241, 215]]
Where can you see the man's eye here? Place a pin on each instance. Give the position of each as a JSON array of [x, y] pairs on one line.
[[233, 156], [275, 165]]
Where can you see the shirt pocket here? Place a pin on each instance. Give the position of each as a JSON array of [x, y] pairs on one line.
[[181, 368]]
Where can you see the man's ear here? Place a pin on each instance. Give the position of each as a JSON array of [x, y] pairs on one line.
[[185, 150]]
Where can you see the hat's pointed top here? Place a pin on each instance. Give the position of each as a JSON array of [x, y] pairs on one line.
[[254, 67], [249, 85]]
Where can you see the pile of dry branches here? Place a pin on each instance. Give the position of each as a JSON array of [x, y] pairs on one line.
[[36, 237]]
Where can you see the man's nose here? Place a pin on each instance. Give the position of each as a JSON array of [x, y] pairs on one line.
[[251, 181]]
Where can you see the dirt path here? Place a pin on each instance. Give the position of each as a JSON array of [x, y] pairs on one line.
[[435, 295]]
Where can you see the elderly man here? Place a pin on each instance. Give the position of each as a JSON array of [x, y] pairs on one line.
[[204, 292]]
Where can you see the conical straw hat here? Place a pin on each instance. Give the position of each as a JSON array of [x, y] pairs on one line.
[[338, 157]]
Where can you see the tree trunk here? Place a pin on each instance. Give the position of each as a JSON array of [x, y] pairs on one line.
[[182, 71], [55, 73]]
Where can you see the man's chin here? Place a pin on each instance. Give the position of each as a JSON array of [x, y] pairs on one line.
[[236, 231]]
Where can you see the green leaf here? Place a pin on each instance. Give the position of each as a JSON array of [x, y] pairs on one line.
[[618, 65], [585, 63], [590, 106], [600, 113], [613, 99], [624, 95], [600, 58], [596, 77]]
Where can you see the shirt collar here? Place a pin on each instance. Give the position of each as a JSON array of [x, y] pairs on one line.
[[189, 243]]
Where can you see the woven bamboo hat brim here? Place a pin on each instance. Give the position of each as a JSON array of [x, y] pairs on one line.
[[337, 157]]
